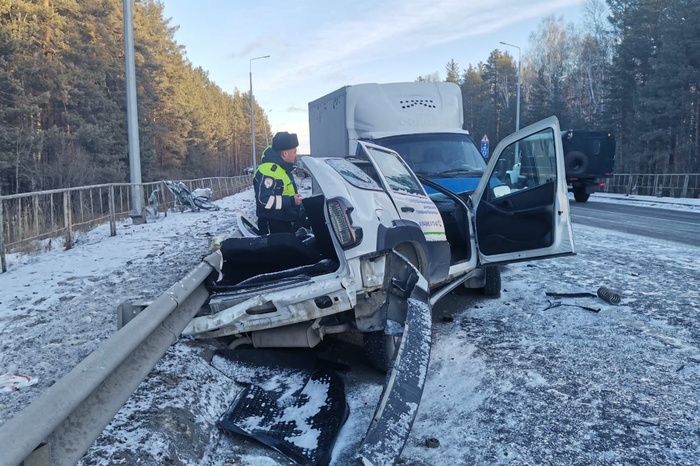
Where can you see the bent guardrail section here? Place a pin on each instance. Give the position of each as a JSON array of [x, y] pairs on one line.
[[59, 427]]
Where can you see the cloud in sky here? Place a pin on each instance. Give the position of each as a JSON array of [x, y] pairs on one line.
[[316, 46], [390, 30]]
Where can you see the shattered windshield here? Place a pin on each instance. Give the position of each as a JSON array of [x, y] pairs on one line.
[[353, 174]]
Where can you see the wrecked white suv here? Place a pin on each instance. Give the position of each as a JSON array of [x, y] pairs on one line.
[[368, 216], [378, 253]]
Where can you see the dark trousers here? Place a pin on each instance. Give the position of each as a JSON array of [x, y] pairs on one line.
[[267, 226]]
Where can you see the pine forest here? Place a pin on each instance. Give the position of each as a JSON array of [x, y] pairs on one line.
[[631, 67]]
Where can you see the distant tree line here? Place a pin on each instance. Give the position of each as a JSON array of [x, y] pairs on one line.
[[63, 100], [633, 68]]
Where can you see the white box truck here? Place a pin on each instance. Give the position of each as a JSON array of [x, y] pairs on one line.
[[422, 121]]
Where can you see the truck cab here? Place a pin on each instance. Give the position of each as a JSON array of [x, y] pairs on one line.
[[449, 159], [421, 121]]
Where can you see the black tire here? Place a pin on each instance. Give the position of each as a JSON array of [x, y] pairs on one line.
[[576, 163], [492, 285], [380, 349], [581, 195], [409, 252]]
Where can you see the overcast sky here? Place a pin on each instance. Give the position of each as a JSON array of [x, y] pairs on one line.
[[316, 46]]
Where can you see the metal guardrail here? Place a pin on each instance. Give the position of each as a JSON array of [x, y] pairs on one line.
[[677, 185], [60, 426], [27, 220]]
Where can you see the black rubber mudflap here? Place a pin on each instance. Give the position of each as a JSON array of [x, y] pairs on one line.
[[303, 426], [398, 406]]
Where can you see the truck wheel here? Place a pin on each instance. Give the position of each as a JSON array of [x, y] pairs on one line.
[[492, 286], [380, 349], [581, 195], [576, 163]]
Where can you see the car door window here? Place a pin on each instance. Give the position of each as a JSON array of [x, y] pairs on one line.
[[525, 164], [353, 174], [397, 175]]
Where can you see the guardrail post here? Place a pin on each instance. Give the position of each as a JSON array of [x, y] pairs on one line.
[[162, 202], [685, 186], [112, 212], [20, 219], [35, 200], [68, 219], [3, 263]]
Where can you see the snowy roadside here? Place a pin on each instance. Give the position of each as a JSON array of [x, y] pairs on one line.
[[58, 305], [674, 203], [513, 380]]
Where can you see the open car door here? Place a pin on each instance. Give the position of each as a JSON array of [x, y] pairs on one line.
[[521, 208]]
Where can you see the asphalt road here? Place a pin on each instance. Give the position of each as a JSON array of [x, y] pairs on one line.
[[671, 225]]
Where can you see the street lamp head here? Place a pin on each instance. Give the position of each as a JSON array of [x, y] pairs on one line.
[[511, 45], [250, 62]]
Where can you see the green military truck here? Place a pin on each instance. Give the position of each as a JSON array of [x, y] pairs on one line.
[[590, 158]]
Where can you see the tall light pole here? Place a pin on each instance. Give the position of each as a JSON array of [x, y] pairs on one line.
[[252, 114], [517, 111], [132, 117]]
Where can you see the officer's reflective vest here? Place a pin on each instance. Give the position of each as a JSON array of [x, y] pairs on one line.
[[275, 171]]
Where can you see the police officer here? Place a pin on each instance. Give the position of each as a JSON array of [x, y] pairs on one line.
[[276, 198]]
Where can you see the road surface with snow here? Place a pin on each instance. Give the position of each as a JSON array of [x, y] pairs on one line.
[[523, 379]]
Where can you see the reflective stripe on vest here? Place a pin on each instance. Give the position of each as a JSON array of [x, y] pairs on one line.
[[275, 171]]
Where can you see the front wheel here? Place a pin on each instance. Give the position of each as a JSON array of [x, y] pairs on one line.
[[380, 349], [492, 283]]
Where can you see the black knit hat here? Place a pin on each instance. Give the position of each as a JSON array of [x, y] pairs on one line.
[[284, 141]]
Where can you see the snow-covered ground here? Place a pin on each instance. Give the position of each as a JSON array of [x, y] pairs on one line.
[[523, 379], [671, 203]]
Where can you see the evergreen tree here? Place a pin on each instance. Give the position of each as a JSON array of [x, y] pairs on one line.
[[429, 78], [453, 74], [636, 25], [668, 101], [474, 104]]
